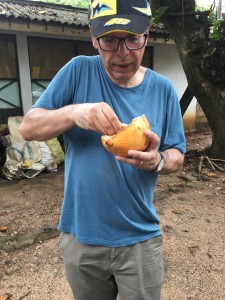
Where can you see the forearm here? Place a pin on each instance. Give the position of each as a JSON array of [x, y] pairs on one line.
[[42, 124], [174, 160]]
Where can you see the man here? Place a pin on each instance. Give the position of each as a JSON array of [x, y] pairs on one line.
[[110, 234]]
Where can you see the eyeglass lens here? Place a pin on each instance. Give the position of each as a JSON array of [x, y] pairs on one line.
[[108, 43]]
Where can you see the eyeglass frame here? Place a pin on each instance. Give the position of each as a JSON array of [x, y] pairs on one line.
[[122, 40]]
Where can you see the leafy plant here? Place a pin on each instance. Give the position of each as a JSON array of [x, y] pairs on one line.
[[209, 53], [160, 11], [74, 3], [218, 29]]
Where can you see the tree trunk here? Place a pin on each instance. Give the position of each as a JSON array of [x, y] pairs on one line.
[[211, 99], [205, 72]]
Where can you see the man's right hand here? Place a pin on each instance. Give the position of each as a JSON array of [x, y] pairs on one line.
[[96, 116]]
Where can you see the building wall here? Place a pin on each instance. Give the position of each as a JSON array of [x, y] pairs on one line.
[[167, 62]]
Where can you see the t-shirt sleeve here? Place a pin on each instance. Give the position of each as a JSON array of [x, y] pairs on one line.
[[173, 133]]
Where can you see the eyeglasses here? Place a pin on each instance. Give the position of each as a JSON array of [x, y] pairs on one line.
[[111, 43]]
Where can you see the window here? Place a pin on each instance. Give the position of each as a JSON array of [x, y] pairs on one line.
[[8, 66], [47, 56], [10, 103], [147, 60]]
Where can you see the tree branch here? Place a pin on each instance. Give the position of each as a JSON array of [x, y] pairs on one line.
[[186, 100]]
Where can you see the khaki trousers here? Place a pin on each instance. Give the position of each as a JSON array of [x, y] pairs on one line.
[[133, 272]]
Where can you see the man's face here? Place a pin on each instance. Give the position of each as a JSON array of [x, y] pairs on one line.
[[122, 64]]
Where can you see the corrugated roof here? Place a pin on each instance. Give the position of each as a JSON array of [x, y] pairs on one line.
[[46, 12], [43, 12]]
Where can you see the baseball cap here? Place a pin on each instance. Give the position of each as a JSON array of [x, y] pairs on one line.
[[132, 16]]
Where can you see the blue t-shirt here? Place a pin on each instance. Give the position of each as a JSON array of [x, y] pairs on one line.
[[107, 202]]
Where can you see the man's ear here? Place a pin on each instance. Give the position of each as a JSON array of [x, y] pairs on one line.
[[94, 41], [146, 42]]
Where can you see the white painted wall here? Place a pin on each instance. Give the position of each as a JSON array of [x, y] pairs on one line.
[[167, 62]]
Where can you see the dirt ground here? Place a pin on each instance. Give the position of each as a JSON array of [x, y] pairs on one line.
[[192, 213]]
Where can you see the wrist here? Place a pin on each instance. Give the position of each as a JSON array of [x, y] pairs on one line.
[[160, 164]]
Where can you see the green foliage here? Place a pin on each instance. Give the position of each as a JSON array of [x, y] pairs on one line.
[[158, 14], [202, 8], [212, 17], [218, 30], [74, 3], [207, 8], [160, 11], [209, 53]]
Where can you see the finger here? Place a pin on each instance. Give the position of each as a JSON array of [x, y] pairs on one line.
[[102, 124], [98, 126], [135, 162], [153, 146], [113, 124], [129, 160], [99, 121], [153, 139]]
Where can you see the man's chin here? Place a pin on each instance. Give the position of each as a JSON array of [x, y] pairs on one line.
[[121, 79]]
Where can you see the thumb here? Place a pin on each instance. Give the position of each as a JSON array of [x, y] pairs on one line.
[[153, 140]]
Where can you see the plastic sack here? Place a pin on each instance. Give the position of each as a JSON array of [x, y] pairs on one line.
[[56, 150], [23, 159], [47, 158], [20, 163]]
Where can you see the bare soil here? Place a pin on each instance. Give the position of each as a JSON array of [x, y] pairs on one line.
[[191, 207]]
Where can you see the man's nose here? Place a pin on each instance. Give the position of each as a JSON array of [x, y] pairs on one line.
[[122, 49]]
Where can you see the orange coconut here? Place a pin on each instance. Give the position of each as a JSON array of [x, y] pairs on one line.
[[130, 137]]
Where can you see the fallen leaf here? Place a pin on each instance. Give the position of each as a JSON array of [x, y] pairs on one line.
[[212, 175], [3, 229], [5, 296]]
